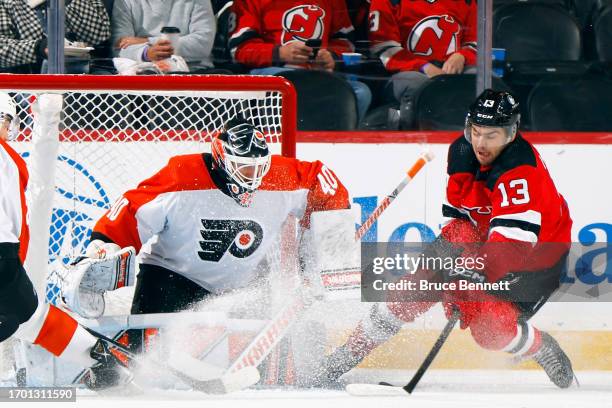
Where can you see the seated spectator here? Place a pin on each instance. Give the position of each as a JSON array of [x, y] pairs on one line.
[[23, 32], [418, 40], [270, 36], [137, 31]]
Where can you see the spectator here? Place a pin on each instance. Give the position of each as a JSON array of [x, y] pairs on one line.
[[270, 37], [418, 40], [137, 26], [23, 33]]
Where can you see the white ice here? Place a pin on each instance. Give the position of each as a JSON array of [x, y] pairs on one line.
[[438, 388]]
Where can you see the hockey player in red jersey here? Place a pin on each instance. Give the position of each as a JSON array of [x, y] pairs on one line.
[[21, 312], [418, 40], [501, 204], [204, 223]]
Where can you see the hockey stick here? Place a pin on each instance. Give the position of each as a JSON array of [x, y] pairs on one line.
[[265, 341], [384, 388], [226, 383], [410, 174]]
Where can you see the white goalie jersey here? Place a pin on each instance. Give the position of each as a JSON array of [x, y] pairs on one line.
[[179, 219]]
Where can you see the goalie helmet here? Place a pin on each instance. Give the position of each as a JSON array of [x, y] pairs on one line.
[[241, 158], [494, 109], [8, 111]]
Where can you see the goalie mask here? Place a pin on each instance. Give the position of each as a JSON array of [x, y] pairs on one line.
[[494, 109], [8, 113], [242, 158]]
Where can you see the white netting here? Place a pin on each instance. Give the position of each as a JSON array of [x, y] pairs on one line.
[[111, 140]]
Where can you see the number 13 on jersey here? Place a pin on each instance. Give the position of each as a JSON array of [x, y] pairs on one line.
[[519, 192]]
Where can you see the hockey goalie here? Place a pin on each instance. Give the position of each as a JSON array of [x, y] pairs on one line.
[[201, 225]]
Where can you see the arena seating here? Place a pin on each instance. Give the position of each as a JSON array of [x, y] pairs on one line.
[[547, 42], [443, 102], [325, 101], [603, 34], [580, 104]]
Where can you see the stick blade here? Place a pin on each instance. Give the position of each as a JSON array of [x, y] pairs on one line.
[[230, 382], [241, 379], [375, 390]]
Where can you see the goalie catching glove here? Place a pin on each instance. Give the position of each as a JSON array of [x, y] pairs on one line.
[[104, 267]]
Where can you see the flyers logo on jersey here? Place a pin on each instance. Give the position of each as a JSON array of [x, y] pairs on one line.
[[303, 23], [435, 36], [241, 238]]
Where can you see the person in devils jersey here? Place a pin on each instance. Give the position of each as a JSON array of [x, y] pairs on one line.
[[502, 205], [419, 40], [204, 223], [273, 36], [21, 313]]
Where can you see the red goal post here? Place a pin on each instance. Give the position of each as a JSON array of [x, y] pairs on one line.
[[89, 138]]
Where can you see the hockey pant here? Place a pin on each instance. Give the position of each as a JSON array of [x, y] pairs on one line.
[[497, 321], [23, 316], [159, 290]]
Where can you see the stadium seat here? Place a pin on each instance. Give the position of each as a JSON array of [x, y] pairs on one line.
[[560, 3], [579, 105], [325, 101], [603, 34], [536, 32], [586, 12], [541, 40], [443, 103]]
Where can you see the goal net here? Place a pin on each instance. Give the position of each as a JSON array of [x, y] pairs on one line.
[[87, 139]]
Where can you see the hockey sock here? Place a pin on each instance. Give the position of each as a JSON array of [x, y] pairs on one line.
[[62, 336], [526, 342]]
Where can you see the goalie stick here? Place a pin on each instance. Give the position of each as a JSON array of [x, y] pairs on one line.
[[410, 174], [386, 389], [223, 384], [265, 341]]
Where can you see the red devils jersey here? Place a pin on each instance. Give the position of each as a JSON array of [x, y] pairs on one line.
[[183, 222], [513, 201], [406, 35], [13, 182], [262, 26]]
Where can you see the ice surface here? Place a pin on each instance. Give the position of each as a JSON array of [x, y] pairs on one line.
[[439, 388]]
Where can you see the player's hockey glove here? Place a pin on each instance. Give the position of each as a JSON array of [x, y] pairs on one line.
[[460, 273], [104, 267]]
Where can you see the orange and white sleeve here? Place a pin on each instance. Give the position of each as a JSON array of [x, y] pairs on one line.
[[139, 213], [326, 191]]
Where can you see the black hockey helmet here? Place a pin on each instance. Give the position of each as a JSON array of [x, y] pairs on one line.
[[241, 155], [494, 109]]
